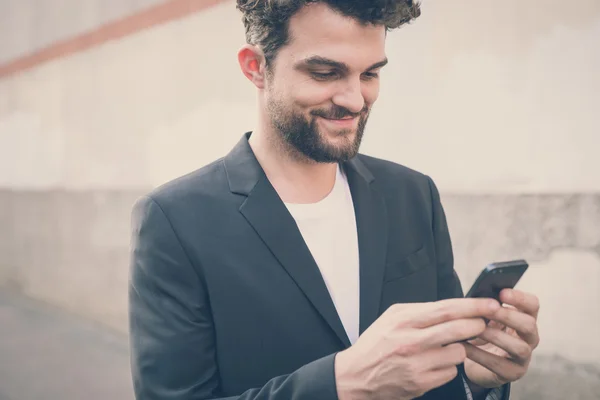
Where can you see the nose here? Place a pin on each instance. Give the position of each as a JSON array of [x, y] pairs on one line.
[[350, 96]]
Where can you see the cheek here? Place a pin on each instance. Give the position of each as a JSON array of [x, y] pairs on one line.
[[309, 93]]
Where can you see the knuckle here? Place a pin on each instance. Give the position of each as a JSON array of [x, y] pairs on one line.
[[530, 328], [397, 307], [445, 312], [394, 315], [408, 348], [524, 352], [398, 313], [393, 311]]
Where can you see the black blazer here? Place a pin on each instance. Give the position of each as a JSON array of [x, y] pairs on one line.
[[226, 299]]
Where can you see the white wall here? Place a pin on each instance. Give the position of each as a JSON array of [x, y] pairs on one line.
[[169, 95], [496, 97], [487, 97]]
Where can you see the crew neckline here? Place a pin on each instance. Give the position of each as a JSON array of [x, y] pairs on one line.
[[315, 210]]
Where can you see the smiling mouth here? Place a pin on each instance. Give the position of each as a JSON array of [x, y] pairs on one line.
[[342, 122]]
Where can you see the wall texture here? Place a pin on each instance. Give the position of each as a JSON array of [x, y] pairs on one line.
[[497, 101], [31, 25]]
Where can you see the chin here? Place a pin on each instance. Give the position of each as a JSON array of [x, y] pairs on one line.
[[340, 140], [342, 152], [337, 134]]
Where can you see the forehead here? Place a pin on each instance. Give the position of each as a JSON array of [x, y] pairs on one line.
[[318, 30]]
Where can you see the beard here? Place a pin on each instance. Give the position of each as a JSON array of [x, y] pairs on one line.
[[302, 136]]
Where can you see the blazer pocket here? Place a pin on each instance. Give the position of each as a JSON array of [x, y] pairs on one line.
[[407, 266]]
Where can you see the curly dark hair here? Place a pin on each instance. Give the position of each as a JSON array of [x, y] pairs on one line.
[[266, 21]]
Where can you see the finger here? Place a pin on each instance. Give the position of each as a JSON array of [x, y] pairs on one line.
[[477, 342], [428, 314], [451, 332], [507, 370], [491, 324], [526, 302], [441, 357], [517, 348], [524, 324], [496, 325]]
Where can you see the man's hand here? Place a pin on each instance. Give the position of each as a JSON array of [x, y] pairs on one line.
[[501, 354], [410, 349]]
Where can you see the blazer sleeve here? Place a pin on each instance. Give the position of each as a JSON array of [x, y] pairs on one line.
[[172, 338], [448, 282]]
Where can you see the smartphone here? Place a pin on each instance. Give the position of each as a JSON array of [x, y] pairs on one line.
[[497, 276], [494, 278]]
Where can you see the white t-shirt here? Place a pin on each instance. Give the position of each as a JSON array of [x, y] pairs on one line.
[[329, 230]]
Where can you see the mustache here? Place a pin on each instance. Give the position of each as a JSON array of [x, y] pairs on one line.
[[338, 112]]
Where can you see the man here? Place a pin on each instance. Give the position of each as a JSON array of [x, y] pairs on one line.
[[295, 268]]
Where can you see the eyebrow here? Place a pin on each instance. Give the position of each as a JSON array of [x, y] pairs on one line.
[[326, 62]]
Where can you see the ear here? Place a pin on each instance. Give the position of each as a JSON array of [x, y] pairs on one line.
[[252, 63]]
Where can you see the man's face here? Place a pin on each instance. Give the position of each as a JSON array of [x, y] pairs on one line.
[[324, 83]]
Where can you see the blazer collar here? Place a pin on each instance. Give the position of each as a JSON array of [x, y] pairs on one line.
[[269, 216], [244, 170]]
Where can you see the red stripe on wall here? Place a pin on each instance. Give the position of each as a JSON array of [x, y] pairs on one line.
[[165, 12]]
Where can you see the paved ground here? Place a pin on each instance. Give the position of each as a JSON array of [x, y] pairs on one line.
[[49, 355], [46, 354]]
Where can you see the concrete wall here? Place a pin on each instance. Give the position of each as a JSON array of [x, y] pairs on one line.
[[30, 25], [497, 101]]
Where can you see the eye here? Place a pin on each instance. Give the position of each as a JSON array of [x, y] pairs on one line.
[[324, 76], [371, 75]]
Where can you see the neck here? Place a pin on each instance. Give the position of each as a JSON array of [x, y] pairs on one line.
[[295, 178]]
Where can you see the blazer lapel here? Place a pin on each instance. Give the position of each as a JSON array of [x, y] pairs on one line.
[[371, 222], [269, 217]]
